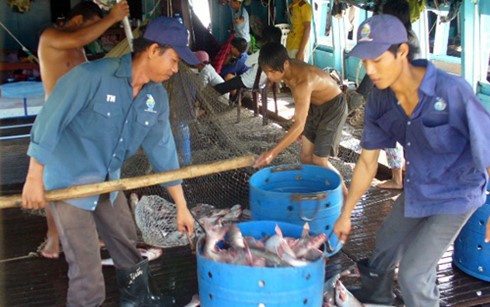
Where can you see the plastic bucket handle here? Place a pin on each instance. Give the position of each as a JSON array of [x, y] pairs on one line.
[[302, 197]]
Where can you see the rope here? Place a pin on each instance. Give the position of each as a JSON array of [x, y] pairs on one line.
[[29, 53], [152, 12], [30, 255]]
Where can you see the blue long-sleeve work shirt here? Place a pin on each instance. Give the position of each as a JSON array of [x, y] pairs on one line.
[[446, 141], [90, 124], [236, 66]]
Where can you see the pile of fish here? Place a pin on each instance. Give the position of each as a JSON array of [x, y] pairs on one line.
[[225, 243]]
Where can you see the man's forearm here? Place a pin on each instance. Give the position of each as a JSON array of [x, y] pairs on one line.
[[177, 194], [292, 135], [35, 170]]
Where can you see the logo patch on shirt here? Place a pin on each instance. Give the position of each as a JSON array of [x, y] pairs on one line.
[[440, 105], [365, 32], [150, 103], [111, 98]]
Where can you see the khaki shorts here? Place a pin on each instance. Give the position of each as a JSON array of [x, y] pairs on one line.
[[324, 125]]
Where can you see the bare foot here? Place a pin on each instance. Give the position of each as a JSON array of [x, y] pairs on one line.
[[390, 184], [50, 248]]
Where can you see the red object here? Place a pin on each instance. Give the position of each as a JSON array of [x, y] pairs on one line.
[[219, 59]]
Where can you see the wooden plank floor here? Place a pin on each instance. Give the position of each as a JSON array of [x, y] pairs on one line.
[[35, 281], [28, 280]]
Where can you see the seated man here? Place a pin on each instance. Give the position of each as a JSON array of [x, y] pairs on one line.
[[234, 64], [206, 70], [247, 79], [207, 75], [320, 108]]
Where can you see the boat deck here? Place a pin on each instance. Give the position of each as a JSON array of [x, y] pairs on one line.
[[29, 280]]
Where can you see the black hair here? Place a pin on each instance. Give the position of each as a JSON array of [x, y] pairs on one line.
[[87, 9], [412, 49], [240, 44], [399, 9], [394, 49], [140, 44], [271, 34], [273, 55]]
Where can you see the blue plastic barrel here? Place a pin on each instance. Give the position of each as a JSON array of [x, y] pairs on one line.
[[297, 194], [471, 254], [223, 284]]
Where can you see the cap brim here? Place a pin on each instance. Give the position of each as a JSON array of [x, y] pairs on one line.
[[187, 55], [368, 50]]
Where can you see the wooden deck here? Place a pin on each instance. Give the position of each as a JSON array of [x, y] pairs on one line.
[[29, 280]]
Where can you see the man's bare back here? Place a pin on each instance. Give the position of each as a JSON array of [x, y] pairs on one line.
[[61, 49], [56, 62], [307, 80]]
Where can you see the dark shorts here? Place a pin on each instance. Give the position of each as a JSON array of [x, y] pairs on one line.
[[324, 125]]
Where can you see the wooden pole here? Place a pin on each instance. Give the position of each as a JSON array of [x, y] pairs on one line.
[[135, 182]]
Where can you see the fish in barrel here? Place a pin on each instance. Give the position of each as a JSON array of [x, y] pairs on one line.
[[226, 243]]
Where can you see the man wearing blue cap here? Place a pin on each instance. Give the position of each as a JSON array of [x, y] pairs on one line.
[[83, 134], [443, 128]]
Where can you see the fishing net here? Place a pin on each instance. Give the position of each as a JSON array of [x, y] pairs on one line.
[[156, 220], [206, 130]]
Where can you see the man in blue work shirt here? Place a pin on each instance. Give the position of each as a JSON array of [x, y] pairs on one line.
[[444, 130], [97, 116], [234, 64]]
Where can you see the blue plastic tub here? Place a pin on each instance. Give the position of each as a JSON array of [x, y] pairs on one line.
[[471, 254], [297, 194], [223, 284]]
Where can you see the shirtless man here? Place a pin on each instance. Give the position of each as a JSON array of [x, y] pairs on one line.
[[61, 49], [320, 108]]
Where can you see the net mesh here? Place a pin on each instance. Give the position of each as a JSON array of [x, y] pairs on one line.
[[206, 130], [213, 135]]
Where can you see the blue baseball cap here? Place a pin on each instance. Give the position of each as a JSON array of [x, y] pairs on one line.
[[169, 31], [376, 34]]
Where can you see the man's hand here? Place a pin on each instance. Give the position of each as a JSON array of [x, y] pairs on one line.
[[120, 10], [33, 194], [185, 221], [33, 191], [264, 159], [342, 228]]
